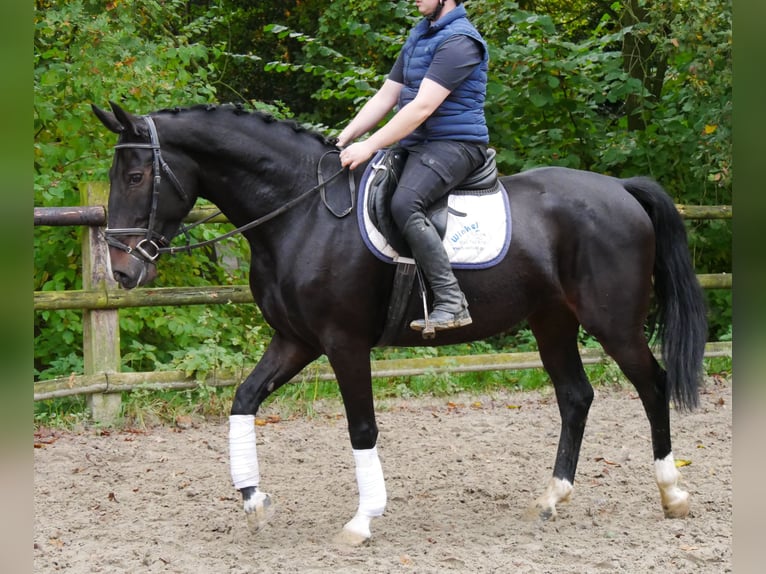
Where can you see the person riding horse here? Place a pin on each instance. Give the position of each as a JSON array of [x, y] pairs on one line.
[[438, 83]]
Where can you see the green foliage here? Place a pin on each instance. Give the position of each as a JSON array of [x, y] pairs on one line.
[[85, 54], [544, 91], [229, 347], [249, 47], [69, 412], [145, 407], [558, 94], [354, 46], [146, 55]]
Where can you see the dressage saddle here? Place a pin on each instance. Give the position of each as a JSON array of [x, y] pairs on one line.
[[386, 178]]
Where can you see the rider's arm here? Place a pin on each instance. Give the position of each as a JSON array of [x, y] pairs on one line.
[[453, 62], [407, 119], [372, 112], [429, 97]]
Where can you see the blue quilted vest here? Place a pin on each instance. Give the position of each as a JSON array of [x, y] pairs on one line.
[[461, 116]]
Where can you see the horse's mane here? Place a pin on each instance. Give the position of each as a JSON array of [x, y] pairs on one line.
[[239, 109]]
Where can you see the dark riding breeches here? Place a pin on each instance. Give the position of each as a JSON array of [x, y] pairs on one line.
[[433, 169]]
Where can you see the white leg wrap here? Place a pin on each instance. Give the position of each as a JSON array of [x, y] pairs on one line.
[[369, 478], [372, 496], [243, 456], [675, 502]]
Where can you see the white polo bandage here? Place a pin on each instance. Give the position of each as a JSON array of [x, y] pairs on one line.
[[369, 479], [243, 455]]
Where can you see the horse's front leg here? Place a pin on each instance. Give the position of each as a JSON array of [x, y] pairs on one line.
[[282, 360], [352, 369]]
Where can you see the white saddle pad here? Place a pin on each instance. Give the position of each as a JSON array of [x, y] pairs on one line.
[[478, 228]]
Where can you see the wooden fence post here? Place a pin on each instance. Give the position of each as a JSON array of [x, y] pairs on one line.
[[100, 327]]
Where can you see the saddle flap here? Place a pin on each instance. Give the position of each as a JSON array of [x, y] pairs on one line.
[[382, 187]]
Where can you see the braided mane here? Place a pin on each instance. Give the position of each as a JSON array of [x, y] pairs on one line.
[[239, 109]]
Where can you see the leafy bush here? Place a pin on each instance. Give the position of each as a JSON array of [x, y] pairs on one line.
[[559, 90], [558, 94], [146, 55]]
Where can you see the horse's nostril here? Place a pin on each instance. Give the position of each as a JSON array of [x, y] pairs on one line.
[[121, 278]]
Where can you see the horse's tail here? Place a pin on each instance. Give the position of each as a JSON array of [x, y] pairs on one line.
[[680, 315]]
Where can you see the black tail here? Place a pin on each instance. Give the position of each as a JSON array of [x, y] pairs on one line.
[[681, 316]]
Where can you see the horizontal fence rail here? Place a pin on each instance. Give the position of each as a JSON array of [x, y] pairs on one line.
[[100, 299], [96, 215], [225, 294], [208, 295], [145, 297], [381, 369]]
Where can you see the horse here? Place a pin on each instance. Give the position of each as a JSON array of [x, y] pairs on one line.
[[588, 250]]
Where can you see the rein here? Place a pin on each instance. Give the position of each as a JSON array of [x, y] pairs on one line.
[[154, 244], [269, 216]]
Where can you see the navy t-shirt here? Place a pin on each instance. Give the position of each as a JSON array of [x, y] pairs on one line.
[[453, 62]]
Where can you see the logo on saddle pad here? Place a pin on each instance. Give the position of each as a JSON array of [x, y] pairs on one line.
[[474, 220]]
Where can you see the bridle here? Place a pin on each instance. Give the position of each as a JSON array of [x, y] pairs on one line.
[[155, 244]]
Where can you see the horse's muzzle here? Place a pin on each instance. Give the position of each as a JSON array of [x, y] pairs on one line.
[[131, 271]]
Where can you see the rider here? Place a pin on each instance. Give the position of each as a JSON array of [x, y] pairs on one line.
[[438, 85]]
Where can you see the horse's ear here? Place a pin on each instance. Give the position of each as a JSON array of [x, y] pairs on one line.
[[108, 119], [127, 120]]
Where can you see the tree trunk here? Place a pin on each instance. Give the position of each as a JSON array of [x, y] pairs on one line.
[[642, 61]]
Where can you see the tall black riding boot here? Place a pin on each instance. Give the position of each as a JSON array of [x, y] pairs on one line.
[[450, 309]]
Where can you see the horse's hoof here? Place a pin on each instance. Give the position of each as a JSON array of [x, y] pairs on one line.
[[537, 512], [349, 538], [356, 532], [544, 508], [259, 509], [678, 508]]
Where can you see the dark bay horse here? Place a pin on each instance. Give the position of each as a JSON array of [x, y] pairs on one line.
[[588, 250]]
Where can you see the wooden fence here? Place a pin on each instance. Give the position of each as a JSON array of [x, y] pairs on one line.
[[100, 300]]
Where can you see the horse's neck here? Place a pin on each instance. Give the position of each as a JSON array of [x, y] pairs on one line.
[[246, 188], [250, 168]]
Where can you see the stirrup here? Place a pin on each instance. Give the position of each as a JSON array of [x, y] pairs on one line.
[[441, 321]]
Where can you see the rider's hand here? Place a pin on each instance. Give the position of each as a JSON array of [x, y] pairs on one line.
[[356, 154]]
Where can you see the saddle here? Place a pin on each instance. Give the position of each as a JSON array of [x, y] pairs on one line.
[[387, 171]]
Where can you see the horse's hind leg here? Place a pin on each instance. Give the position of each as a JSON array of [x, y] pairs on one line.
[[632, 354], [556, 334], [282, 360], [613, 307], [620, 330]]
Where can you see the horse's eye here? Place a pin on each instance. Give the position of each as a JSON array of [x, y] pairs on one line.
[[135, 178]]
